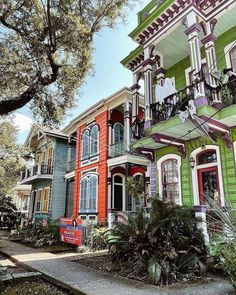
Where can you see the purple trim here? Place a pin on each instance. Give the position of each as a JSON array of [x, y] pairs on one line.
[[160, 71], [193, 28], [216, 123], [157, 138], [136, 86], [200, 101], [218, 105], [200, 208], [209, 38], [147, 124], [225, 136], [147, 62]]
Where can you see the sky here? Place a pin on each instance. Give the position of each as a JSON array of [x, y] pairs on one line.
[[111, 46]]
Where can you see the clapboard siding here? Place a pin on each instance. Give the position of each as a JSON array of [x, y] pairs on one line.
[[59, 182]]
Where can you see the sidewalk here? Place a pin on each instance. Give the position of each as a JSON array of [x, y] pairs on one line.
[[86, 281]]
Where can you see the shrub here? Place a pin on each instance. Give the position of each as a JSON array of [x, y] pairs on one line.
[[225, 239], [97, 239], [38, 235], [165, 247]]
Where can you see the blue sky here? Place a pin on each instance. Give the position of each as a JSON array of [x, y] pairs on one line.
[[111, 46]]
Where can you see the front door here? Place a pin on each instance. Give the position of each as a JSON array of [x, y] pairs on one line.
[[118, 193], [208, 184]]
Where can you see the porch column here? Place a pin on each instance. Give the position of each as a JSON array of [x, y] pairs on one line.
[[153, 176], [126, 127], [209, 42], [200, 213], [110, 217], [135, 99], [160, 76], [109, 123], [192, 31], [148, 99]]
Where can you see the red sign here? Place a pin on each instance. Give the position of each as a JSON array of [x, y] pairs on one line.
[[71, 230]]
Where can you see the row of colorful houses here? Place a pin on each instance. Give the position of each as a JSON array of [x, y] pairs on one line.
[[180, 136]]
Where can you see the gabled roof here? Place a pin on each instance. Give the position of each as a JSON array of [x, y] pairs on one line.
[[53, 132]]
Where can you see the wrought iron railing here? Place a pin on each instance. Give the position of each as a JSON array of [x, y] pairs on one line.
[[116, 149], [224, 93], [172, 104]]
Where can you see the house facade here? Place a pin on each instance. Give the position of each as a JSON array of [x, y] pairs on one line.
[[186, 57], [21, 198], [104, 160], [45, 172]]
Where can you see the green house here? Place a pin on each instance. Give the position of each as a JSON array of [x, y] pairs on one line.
[[186, 61]]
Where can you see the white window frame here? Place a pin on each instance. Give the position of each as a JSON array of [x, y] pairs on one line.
[[87, 209], [91, 139], [159, 169], [82, 142], [194, 155], [123, 191], [227, 50], [113, 133]]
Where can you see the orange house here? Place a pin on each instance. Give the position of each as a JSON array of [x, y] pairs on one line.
[[103, 159]]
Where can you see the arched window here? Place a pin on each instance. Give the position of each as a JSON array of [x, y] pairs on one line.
[[83, 193], [169, 178], [94, 141], [93, 183], [85, 144], [207, 175], [88, 192], [118, 132]]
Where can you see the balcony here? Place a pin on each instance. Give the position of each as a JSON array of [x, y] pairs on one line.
[[177, 102], [116, 149], [39, 171]]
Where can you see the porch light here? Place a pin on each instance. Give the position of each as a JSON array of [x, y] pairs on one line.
[[192, 162]]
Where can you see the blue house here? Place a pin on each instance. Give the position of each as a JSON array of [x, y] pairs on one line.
[[46, 172]]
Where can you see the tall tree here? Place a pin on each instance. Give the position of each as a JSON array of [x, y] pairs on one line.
[[10, 157], [46, 51]]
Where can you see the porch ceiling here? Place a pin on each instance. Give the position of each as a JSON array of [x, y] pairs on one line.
[[173, 45]]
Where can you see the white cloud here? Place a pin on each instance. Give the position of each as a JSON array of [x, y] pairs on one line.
[[22, 122]]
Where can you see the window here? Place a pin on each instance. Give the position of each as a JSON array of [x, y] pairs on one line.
[[43, 157], [85, 140], [94, 141], [169, 178], [90, 142], [46, 200], [88, 192], [232, 56], [39, 198], [118, 132], [50, 156], [93, 192], [206, 157]]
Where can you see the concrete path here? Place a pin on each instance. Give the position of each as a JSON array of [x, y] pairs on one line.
[[85, 281]]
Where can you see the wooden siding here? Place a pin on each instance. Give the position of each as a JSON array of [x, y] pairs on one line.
[[227, 163], [58, 197], [101, 121]]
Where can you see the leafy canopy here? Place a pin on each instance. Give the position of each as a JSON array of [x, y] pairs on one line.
[[46, 51], [10, 157]]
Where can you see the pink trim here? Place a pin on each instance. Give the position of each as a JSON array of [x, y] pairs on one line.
[[200, 101], [193, 28]]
